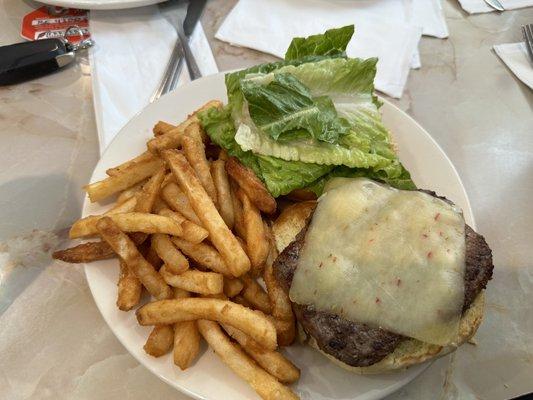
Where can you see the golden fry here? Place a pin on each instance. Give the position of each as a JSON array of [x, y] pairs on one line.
[[146, 156], [85, 253], [172, 139], [147, 223], [238, 220], [255, 295], [219, 234], [232, 286], [130, 192], [127, 251], [87, 226], [178, 201], [162, 127], [194, 151], [194, 281], [253, 323], [271, 361], [128, 177], [252, 186], [160, 341], [203, 254], [149, 192], [279, 300], [191, 232], [129, 289], [261, 381], [175, 261], [257, 245], [225, 204]]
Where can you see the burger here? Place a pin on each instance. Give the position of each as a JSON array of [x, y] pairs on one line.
[[381, 279]]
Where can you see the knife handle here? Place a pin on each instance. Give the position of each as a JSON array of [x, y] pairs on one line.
[[28, 60]]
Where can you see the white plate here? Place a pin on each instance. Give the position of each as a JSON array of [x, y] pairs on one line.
[[209, 378], [100, 4]]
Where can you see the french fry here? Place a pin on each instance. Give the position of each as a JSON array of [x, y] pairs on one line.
[[203, 254], [194, 151], [219, 234], [279, 300], [129, 289], [168, 179], [238, 221], [194, 281], [252, 186], [162, 127], [149, 192], [127, 251], [239, 299], [257, 245], [147, 223], [174, 260], [178, 201], [255, 295], [271, 361], [146, 156], [223, 155], [225, 204], [130, 192], [160, 341], [152, 257], [172, 139], [85, 253], [191, 232], [232, 286], [87, 226], [129, 176], [186, 338], [253, 323], [261, 381]]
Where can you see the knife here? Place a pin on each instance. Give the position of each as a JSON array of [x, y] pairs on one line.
[[495, 4], [184, 21]]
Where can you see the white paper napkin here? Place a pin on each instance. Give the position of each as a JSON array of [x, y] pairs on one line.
[[479, 6], [388, 29], [131, 53], [515, 56]]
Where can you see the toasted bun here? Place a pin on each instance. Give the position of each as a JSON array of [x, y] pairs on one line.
[[409, 352]]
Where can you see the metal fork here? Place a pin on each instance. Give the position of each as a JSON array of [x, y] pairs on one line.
[[527, 31]]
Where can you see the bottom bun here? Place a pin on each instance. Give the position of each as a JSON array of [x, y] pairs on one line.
[[412, 351]]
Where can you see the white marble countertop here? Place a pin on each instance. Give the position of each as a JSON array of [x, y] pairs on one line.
[[478, 112]]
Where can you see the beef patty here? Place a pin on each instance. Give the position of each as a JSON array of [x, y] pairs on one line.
[[360, 345]]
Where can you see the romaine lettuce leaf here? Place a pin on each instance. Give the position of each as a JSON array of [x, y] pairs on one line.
[[285, 106], [332, 42], [308, 118], [280, 176]]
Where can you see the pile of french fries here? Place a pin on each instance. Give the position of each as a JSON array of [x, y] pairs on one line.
[[191, 227]]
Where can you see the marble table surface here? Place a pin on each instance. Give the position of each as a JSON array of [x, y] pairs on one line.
[[478, 112]]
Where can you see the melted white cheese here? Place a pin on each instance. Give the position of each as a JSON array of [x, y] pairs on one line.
[[385, 257]]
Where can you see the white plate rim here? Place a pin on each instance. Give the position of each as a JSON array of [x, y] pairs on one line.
[[466, 206]]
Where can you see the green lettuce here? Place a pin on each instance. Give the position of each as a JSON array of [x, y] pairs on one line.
[[298, 122], [280, 176], [284, 106], [331, 43]]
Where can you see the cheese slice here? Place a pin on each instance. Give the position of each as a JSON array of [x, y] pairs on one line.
[[385, 257]]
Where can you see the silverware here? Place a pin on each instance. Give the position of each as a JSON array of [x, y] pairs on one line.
[[495, 4], [527, 32], [183, 16], [174, 12], [194, 12]]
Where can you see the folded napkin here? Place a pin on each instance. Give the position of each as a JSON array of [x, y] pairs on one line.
[[388, 29], [515, 56], [479, 6], [129, 59]]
